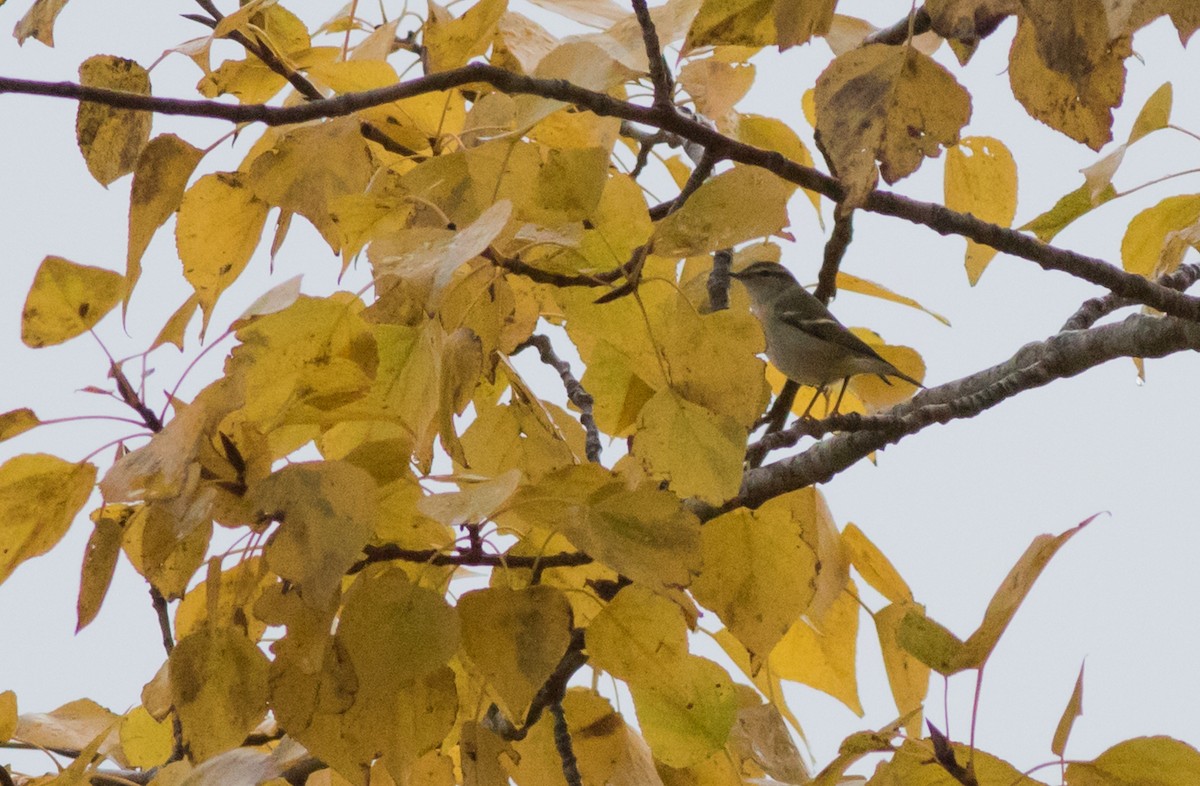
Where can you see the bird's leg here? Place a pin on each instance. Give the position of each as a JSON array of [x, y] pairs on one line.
[[820, 390], [838, 403]]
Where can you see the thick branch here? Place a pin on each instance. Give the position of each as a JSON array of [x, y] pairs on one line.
[[1099, 307], [1034, 365], [937, 217]]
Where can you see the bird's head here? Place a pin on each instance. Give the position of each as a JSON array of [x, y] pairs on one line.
[[765, 280]]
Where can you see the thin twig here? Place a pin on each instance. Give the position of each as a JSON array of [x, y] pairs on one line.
[[664, 86], [390, 552], [912, 24], [562, 743], [576, 393], [835, 251]]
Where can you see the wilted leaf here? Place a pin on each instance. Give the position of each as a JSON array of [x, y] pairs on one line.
[[1072, 711], [38, 21], [39, 497], [66, 300], [111, 139], [73, 726], [886, 103], [981, 179], [474, 503]]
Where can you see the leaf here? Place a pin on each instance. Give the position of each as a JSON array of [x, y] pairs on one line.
[[907, 676], [8, 715], [761, 737], [1068, 208], [981, 179], [326, 512], [759, 576], [450, 43], [1161, 761], [73, 726], [67, 299], [308, 168], [176, 325], [17, 421], [731, 22], [1155, 114], [111, 139], [1147, 245], [688, 715], [1016, 585], [39, 497], [873, 566], [515, 639], [219, 225], [474, 503], [1065, 70], [100, 561], [644, 534], [146, 742], [913, 765], [277, 298], [929, 642], [696, 452], [639, 636], [821, 654], [38, 21], [719, 215], [885, 103], [160, 177], [219, 686], [1072, 711]]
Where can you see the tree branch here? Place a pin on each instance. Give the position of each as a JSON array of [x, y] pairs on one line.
[[389, 552], [835, 251], [663, 84], [1099, 307], [937, 217], [575, 392], [1034, 365], [562, 743]]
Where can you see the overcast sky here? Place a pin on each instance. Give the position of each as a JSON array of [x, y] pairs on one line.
[[953, 506]]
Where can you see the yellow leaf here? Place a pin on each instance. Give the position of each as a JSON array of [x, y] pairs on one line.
[[862, 286], [240, 587], [219, 225], [1146, 248], [307, 168], [451, 42], [159, 180], [100, 560], [731, 22], [644, 534], [696, 451], [1066, 71], [38, 21], [873, 566], [164, 549], [1159, 760], [73, 726], [1068, 208], [716, 87], [1016, 585], [17, 421], [640, 636], [797, 22], [767, 682], [327, 512], [145, 741], [687, 715], [250, 80], [718, 215], [176, 325], [474, 503], [1155, 114], [907, 676], [758, 575], [822, 654], [219, 686], [66, 300], [981, 179], [515, 638], [39, 497], [394, 631], [8, 715], [928, 641], [910, 765], [761, 738], [1072, 711], [886, 103], [771, 133], [876, 394], [109, 138]]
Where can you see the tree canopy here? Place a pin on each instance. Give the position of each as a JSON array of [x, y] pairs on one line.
[[436, 554]]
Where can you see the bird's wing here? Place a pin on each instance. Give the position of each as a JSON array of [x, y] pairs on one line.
[[830, 330]]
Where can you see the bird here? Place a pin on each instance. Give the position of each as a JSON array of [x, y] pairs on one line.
[[804, 340]]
